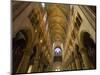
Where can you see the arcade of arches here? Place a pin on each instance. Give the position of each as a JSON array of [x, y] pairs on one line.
[[53, 37]]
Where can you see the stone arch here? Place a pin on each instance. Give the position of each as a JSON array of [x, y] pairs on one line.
[[21, 42], [28, 35], [20, 38], [87, 42], [23, 38], [57, 53]]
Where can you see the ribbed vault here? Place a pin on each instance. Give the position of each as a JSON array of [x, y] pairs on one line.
[[57, 20]]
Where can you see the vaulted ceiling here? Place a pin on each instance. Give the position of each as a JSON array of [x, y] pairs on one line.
[[57, 19], [57, 16]]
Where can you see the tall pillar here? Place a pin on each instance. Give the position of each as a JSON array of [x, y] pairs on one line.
[[40, 67], [23, 66], [70, 66], [73, 62], [85, 57], [73, 66], [36, 62], [77, 60]]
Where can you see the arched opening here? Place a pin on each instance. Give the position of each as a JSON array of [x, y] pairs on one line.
[[19, 43], [57, 54], [90, 45], [57, 51]]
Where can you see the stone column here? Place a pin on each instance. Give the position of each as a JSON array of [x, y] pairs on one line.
[[86, 61], [73, 62], [73, 66], [77, 60], [70, 67], [23, 66], [36, 62], [41, 67]]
